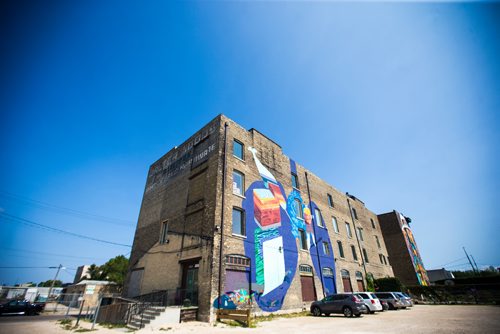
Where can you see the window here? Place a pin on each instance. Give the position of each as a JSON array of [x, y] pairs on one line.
[[359, 276], [302, 239], [348, 229], [298, 208], [378, 242], [354, 254], [380, 257], [317, 215], [387, 261], [238, 150], [354, 214], [305, 269], [330, 200], [238, 221], [238, 183], [327, 272], [373, 223], [344, 273], [360, 233], [295, 181], [335, 225], [326, 248], [341, 250], [365, 255], [164, 233], [383, 258], [238, 260]]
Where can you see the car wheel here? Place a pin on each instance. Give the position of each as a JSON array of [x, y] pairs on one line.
[[391, 307], [347, 311], [357, 315], [327, 314], [316, 311]]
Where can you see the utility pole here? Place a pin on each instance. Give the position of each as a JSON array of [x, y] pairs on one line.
[[474, 261], [468, 258], [54, 280]]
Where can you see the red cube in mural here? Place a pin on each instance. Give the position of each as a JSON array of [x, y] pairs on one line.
[[275, 189], [266, 208]]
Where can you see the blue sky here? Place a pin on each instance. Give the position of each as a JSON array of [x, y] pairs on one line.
[[396, 103]]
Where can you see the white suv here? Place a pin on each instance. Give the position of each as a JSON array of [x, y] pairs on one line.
[[371, 301]]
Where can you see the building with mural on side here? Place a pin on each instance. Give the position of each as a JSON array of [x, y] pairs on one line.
[[229, 221], [402, 247]]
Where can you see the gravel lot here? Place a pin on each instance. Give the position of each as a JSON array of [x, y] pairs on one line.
[[419, 319]]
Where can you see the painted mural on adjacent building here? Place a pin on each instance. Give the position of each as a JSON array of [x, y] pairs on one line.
[[414, 253], [277, 226]]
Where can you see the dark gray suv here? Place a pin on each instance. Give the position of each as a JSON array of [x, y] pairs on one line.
[[347, 304]]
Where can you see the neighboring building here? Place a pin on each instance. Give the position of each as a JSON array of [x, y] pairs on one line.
[[90, 290], [440, 276], [32, 294], [287, 236], [403, 251], [82, 272]]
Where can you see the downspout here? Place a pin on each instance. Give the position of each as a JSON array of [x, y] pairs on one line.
[[361, 254], [315, 238], [222, 215]]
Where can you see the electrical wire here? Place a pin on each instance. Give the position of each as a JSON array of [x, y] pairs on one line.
[[52, 229], [66, 211]]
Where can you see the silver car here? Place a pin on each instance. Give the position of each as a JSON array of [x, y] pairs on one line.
[[391, 299], [371, 301], [407, 301]]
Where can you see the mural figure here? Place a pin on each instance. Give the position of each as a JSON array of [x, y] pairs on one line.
[[273, 221], [414, 253]]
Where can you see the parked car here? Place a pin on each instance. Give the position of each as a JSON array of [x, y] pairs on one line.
[[406, 298], [393, 301], [371, 301], [20, 307], [385, 306], [343, 303]]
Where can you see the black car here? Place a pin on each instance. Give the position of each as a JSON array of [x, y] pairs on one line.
[[347, 304], [20, 307]]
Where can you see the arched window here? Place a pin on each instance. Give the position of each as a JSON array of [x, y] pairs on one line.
[[327, 272], [359, 276], [305, 269], [298, 208], [239, 260], [344, 273]]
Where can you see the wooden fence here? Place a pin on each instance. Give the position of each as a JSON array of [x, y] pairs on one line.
[[113, 314], [242, 316]]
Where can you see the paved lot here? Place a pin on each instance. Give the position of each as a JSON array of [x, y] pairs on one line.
[[419, 319]]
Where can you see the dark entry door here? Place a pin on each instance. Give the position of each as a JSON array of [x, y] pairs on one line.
[[361, 286], [308, 292], [189, 286], [346, 281]]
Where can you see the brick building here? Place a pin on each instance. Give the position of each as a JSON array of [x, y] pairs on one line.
[[232, 222], [402, 248]]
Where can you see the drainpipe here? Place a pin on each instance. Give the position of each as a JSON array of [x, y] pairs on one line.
[[222, 214], [357, 239], [315, 238]]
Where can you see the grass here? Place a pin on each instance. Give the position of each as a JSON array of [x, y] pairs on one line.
[[111, 326], [273, 316]]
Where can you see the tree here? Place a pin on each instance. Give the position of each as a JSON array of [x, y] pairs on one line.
[[95, 272], [48, 284], [116, 269]]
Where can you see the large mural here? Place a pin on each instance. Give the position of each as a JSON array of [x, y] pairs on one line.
[[414, 253], [275, 225]]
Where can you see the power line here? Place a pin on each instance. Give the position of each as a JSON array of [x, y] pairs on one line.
[[66, 211], [52, 229], [50, 254]]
